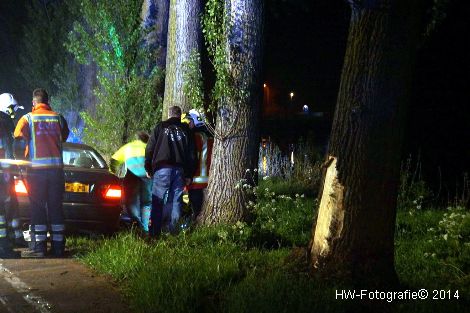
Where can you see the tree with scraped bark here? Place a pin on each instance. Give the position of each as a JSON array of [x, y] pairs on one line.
[[353, 235]]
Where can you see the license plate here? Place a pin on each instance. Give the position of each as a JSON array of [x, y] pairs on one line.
[[77, 187]]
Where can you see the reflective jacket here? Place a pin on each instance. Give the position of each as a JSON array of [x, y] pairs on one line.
[[43, 130], [203, 142], [131, 157]]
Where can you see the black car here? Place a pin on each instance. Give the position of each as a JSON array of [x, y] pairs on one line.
[[93, 196]]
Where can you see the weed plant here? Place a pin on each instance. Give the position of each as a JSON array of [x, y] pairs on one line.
[[261, 265], [298, 171]]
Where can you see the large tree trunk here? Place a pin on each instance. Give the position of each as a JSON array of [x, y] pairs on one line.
[[354, 232], [184, 37], [237, 143], [155, 15]]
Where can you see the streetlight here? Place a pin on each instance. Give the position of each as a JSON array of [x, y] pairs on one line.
[[264, 85], [291, 95]]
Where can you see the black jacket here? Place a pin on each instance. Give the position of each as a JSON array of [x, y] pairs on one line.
[[171, 144], [6, 136]]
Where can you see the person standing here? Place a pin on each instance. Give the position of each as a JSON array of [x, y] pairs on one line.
[[204, 142], [169, 158], [128, 163], [9, 222], [43, 131]]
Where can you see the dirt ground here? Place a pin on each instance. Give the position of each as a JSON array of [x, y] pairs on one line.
[[56, 285]]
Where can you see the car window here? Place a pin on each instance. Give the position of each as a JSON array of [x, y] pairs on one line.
[[82, 158]]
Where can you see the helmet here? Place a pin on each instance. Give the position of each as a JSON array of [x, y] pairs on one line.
[[197, 118], [8, 104]]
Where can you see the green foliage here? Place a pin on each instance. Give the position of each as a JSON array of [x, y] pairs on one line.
[[227, 88], [215, 28], [110, 35], [233, 268], [194, 85], [133, 108], [413, 193], [282, 219], [432, 248], [451, 239]]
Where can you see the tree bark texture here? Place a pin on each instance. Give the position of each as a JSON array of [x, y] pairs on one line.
[[155, 14], [236, 147], [184, 37], [354, 232]]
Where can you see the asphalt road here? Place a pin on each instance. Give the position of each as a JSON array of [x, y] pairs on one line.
[[55, 285]]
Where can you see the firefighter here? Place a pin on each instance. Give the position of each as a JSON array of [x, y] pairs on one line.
[[9, 222], [203, 141], [43, 132], [129, 163]]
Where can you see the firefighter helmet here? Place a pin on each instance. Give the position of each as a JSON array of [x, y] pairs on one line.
[[197, 118], [8, 104]]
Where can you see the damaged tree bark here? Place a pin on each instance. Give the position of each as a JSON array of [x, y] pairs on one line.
[[354, 233]]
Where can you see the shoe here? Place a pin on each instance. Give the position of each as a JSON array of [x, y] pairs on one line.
[[57, 250], [35, 250], [31, 253]]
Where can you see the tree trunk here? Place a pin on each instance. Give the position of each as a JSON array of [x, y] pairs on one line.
[[155, 15], [354, 233], [184, 37], [236, 147]]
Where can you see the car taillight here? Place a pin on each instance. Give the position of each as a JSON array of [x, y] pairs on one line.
[[20, 187], [112, 192]]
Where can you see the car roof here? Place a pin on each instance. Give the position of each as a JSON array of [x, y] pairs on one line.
[[77, 146]]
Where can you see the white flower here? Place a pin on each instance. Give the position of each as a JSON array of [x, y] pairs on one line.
[[297, 195], [247, 170], [266, 177], [255, 170]]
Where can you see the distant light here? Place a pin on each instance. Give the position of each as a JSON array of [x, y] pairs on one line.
[[305, 108], [264, 85], [291, 95]]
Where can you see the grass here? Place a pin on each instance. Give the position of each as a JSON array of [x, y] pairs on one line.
[[261, 267]]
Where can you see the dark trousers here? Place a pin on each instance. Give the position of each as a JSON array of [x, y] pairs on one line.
[[9, 222], [196, 198], [46, 189]]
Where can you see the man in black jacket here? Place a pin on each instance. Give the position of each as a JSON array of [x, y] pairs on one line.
[[170, 159]]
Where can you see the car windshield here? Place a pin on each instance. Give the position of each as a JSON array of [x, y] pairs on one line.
[[85, 158]]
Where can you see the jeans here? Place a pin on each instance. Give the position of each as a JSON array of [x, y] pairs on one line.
[[167, 199], [138, 192]]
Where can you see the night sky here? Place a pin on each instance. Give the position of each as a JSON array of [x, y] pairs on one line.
[[304, 49]]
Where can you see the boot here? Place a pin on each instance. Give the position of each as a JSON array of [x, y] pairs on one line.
[[37, 248], [57, 249], [6, 251]]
